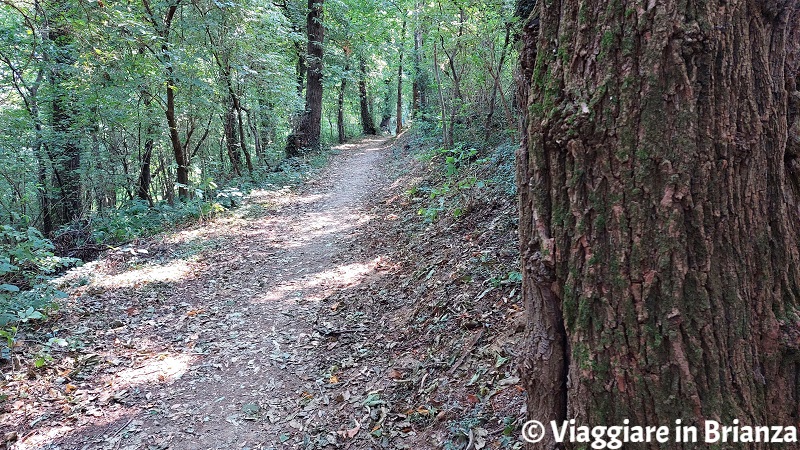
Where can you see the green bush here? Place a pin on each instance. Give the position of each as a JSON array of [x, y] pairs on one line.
[[136, 219], [27, 263]]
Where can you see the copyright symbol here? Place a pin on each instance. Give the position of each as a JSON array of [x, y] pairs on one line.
[[532, 431]]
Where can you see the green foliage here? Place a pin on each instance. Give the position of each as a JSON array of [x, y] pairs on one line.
[[26, 257], [513, 277], [456, 157], [503, 159], [136, 219], [26, 263]]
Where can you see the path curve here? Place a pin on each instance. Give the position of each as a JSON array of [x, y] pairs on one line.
[[244, 366]]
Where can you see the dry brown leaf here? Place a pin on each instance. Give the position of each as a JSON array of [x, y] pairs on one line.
[[351, 433]]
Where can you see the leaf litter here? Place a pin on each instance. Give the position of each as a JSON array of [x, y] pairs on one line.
[[332, 316]]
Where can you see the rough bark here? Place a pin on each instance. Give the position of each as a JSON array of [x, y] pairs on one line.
[[659, 224]]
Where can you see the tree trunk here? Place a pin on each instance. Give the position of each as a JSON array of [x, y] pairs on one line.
[[340, 106], [367, 122], [181, 157], [44, 197], [496, 84], [399, 127], [66, 154], [387, 110], [659, 226], [231, 143], [41, 168], [306, 133], [418, 86], [181, 154], [300, 68], [145, 176], [446, 135], [242, 137]]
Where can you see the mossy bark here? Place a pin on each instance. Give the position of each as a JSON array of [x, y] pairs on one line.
[[659, 212]]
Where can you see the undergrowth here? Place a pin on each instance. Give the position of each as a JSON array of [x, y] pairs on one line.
[[27, 262], [463, 169]]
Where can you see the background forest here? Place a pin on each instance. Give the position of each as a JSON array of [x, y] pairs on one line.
[[118, 119]]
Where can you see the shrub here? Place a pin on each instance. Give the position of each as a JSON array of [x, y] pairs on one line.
[[27, 263]]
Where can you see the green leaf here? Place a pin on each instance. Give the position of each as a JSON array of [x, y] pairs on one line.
[[9, 288]]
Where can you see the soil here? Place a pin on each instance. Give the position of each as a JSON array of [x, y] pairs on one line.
[[330, 316]]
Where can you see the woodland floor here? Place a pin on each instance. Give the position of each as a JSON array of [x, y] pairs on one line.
[[330, 316]]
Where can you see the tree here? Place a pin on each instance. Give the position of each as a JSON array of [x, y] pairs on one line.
[[419, 100], [340, 100], [64, 150], [367, 121], [306, 134], [399, 125], [659, 222], [163, 27]]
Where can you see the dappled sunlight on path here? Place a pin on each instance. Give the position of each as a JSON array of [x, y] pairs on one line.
[[220, 326]]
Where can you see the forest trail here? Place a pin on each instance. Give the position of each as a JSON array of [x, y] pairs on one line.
[[229, 355]]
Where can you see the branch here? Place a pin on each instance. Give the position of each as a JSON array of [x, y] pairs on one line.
[[203, 138]]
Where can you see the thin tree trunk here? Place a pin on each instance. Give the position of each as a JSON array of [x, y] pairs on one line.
[[180, 154], [496, 82], [445, 135], [231, 144], [242, 141], [658, 214], [387, 111], [181, 157], [41, 169], [145, 177], [252, 125], [367, 122], [301, 68], [44, 198], [340, 106], [399, 127], [418, 86]]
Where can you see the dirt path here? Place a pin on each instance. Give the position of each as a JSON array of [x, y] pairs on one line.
[[331, 317], [221, 349]]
